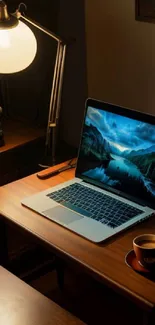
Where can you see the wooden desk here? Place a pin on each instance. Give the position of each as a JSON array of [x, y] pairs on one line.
[[104, 262], [21, 304]]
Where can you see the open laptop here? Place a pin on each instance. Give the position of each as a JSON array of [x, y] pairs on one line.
[[114, 186]]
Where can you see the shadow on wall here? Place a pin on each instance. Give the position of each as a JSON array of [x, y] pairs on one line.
[[71, 24]]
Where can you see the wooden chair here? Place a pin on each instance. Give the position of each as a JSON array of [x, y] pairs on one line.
[[21, 304]]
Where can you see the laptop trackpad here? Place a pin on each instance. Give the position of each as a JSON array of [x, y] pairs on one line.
[[62, 215]]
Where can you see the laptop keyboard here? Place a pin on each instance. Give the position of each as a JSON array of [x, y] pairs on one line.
[[95, 205]]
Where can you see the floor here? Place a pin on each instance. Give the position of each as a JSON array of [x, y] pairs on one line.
[[88, 300]]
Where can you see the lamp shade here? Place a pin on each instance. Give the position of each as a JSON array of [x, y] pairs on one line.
[[18, 47]]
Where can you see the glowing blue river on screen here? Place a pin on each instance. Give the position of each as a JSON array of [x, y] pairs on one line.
[[118, 168]]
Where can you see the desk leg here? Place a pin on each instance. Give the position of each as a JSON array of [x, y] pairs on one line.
[[3, 243], [60, 270]]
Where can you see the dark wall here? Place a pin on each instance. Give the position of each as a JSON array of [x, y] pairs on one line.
[[72, 24], [121, 55]]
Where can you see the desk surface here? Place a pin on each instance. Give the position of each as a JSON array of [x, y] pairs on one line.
[[105, 262], [21, 304]]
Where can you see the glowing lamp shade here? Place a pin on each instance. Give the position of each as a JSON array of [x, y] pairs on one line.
[[18, 47]]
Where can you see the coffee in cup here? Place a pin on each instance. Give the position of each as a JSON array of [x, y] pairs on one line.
[[144, 247]]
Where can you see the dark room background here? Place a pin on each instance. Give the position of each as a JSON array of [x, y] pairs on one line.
[[112, 58]]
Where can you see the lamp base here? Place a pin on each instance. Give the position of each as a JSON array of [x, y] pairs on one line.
[[63, 152]]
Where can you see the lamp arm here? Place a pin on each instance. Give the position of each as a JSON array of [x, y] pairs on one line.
[[43, 29], [61, 79], [56, 91], [55, 100]]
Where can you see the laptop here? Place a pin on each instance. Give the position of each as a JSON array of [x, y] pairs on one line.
[[114, 184]]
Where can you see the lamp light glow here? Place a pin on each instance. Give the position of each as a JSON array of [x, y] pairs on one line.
[[18, 47]]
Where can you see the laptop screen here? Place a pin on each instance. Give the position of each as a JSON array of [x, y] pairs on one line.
[[118, 152]]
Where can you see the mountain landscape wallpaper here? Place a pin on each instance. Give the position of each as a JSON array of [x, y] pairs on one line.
[[119, 152]]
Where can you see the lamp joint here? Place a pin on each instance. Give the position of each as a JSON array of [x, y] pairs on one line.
[[6, 21]]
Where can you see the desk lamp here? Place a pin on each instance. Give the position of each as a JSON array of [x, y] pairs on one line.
[[18, 47]]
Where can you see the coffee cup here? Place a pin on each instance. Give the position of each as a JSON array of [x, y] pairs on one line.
[[144, 247]]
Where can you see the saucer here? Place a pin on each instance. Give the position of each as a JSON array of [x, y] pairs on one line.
[[132, 262]]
